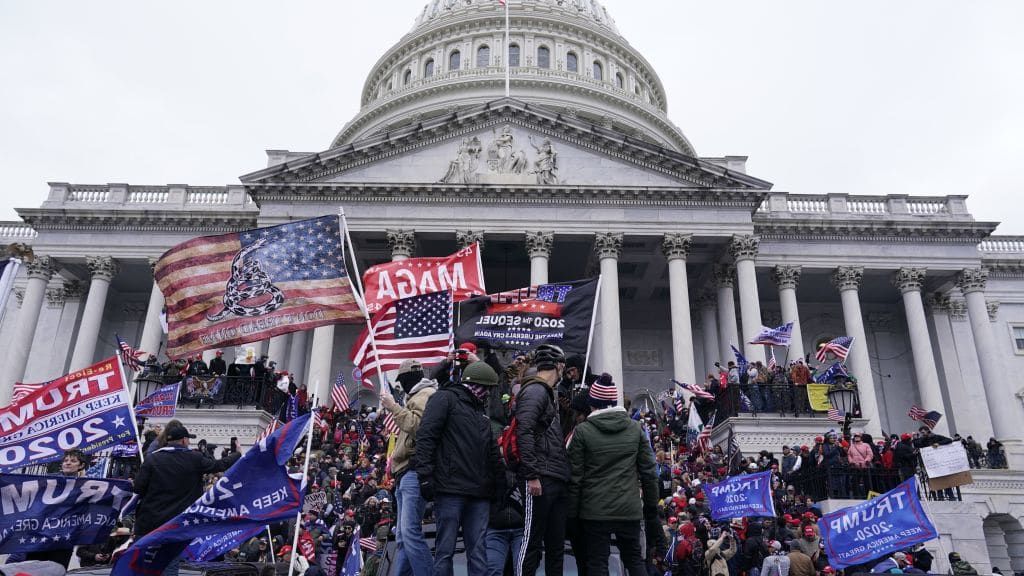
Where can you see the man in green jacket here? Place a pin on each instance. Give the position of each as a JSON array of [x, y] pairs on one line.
[[613, 485]]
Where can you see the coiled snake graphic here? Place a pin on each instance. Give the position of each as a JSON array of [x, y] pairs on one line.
[[248, 280]]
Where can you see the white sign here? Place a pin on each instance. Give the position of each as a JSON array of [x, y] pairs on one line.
[[314, 501], [945, 460]]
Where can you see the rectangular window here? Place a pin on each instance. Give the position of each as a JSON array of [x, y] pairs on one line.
[[1018, 338]]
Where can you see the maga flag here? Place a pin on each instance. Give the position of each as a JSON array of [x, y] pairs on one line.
[[461, 273], [249, 286], [256, 491], [520, 320]]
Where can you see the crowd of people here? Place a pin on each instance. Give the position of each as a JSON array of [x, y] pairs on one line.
[[521, 459]]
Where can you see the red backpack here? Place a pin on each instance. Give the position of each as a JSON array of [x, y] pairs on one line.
[[508, 442]]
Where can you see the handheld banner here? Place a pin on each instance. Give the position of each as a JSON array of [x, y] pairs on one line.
[[520, 320], [56, 512], [890, 522], [743, 495], [212, 546], [817, 397], [159, 404], [462, 273], [87, 410], [256, 491]]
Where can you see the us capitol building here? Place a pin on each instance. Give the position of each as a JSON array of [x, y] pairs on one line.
[[580, 172]]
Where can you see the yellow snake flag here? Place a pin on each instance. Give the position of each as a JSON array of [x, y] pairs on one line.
[[817, 397]]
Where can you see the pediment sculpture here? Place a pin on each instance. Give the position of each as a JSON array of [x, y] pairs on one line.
[[505, 163]]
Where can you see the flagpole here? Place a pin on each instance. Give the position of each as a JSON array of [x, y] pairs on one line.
[[305, 481], [590, 337], [131, 398], [270, 542], [508, 51]]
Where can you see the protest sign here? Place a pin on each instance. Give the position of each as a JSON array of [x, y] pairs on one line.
[[872, 529], [314, 501], [57, 512], [743, 495], [461, 273], [947, 466]]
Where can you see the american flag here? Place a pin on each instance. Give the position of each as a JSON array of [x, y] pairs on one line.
[[836, 415], [414, 328], [129, 356], [745, 403], [771, 359], [704, 438], [21, 390], [695, 390], [339, 394], [369, 544], [840, 347], [295, 274], [268, 430], [390, 427], [926, 417]]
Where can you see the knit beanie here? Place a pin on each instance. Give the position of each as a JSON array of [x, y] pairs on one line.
[[603, 393]]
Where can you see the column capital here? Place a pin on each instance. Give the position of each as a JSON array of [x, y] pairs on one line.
[[972, 280], [723, 275], [41, 267], [401, 242], [847, 277], [938, 303], [676, 245], [103, 267], [608, 244], [993, 309], [19, 294], [786, 276], [539, 244], [909, 279], [707, 300], [466, 237], [744, 246], [55, 297], [957, 310]]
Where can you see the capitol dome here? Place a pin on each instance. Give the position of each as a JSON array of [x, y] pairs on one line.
[[565, 55]]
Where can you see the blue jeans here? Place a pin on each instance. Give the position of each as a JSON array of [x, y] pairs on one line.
[[471, 514], [498, 543], [412, 555]]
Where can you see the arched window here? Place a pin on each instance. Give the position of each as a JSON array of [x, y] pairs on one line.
[[455, 60], [428, 68], [543, 57], [598, 71], [619, 81], [513, 55], [407, 77], [483, 56], [571, 62]]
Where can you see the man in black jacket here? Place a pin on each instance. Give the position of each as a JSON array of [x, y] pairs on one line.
[[171, 480], [544, 464], [456, 461], [217, 366]]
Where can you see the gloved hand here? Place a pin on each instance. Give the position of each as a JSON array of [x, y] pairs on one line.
[[427, 490]]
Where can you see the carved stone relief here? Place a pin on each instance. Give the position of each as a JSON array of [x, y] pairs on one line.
[[505, 161]]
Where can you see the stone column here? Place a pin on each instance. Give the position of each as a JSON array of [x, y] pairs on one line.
[[1002, 406], [278, 350], [847, 279], [320, 377], [39, 272], [744, 251], [102, 269], [676, 248], [608, 246], [787, 278], [709, 330], [538, 245], [909, 281], [727, 334], [466, 237], [297, 355], [152, 331], [402, 244]]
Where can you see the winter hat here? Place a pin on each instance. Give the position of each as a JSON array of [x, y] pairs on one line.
[[480, 373], [808, 531], [905, 436], [603, 393], [410, 365]]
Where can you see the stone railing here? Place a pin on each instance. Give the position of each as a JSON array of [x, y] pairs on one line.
[[170, 197], [1002, 245], [785, 205], [16, 231]]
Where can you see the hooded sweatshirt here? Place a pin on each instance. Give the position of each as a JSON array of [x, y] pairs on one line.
[[407, 418]]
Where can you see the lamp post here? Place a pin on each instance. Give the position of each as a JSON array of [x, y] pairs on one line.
[[844, 397]]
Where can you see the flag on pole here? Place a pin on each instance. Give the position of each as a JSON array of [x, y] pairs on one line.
[[352, 564], [339, 394], [926, 417], [415, 328], [160, 404], [771, 358], [774, 336], [268, 430], [695, 390], [704, 438], [390, 427], [741, 361], [252, 285], [694, 424], [839, 347], [130, 356], [836, 415], [369, 544], [745, 404], [836, 370]]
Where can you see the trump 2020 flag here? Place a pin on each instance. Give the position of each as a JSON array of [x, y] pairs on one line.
[[159, 404], [743, 495], [56, 512], [256, 491], [249, 286], [87, 410], [774, 336], [212, 546], [873, 529]]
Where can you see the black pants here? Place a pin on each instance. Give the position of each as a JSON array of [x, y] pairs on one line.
[[627, 540], [545, 529]]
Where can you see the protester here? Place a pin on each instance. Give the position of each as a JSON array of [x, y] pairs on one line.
[[73, 464], [960, 567]]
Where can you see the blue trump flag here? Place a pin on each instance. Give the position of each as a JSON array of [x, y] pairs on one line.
[[890, 522], [256, 491], [159, 404], [352, 565], [743, 495], [212, 546], [58, 512]]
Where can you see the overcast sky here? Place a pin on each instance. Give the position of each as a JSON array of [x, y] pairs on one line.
[[865, 97]]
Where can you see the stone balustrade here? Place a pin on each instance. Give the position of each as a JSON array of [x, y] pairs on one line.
[[15, 232], [126, 197], [840, 206]]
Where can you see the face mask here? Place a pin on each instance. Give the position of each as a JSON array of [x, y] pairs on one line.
[[477, 390]]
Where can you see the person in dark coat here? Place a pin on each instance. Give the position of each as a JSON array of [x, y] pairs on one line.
[[456, 462], [905, 457], [217, 366]]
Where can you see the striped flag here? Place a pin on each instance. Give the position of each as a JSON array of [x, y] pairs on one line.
[[369, 544], [390, 428], [415, 328], [21, 390], [839, 347], [704, 438], [771, 359], [926, 417], [248, 286], [268, 431], [129, 356], [695, 390], [836, 415], [339, 394], [916, 413]]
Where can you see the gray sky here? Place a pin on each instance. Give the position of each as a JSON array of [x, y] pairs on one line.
[[867, 97]]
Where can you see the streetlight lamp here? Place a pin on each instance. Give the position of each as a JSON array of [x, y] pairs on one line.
[[843, 397]]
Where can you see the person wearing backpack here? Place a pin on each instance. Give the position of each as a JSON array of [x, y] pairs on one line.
[[543, 464], [613, 485]]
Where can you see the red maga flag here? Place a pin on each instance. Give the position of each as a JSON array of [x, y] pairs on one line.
[[461, 273], [249, 286]]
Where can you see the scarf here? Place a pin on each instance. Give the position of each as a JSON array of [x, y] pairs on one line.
[[478, 390]]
